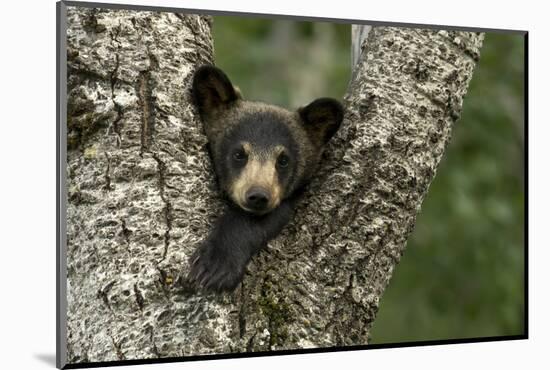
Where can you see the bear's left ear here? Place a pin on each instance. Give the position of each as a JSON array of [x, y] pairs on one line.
[[212, 90], [321, 119]]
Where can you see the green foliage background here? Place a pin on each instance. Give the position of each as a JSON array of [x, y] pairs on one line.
[[462, 272]]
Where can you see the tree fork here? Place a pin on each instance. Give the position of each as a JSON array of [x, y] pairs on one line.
[[142, 195]]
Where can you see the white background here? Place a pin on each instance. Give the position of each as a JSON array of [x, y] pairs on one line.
[[27, 180]]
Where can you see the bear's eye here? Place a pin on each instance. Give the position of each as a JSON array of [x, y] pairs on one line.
[[239, 155], [283, 160]]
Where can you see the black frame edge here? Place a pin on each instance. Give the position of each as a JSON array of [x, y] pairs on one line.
[[292, 352], [526, 182]]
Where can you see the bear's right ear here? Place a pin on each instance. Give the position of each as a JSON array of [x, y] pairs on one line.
[[212, 90], [321, 119]]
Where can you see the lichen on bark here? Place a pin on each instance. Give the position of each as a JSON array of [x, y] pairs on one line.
[[141, 192]]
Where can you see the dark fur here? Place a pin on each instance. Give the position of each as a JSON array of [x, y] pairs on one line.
[[284, 145]]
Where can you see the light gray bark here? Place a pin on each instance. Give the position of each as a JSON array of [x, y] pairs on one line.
[[359, 34], [142, 193]]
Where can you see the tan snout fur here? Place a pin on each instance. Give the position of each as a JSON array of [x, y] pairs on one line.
[[259, 171]]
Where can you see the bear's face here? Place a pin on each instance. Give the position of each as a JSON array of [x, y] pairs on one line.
[[261, 153], [258, 160]]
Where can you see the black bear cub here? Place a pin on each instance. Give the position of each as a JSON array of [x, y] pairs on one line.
[[263, 155]]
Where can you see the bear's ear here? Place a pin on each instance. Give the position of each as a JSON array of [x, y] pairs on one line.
[[321, 119], [212, 90]]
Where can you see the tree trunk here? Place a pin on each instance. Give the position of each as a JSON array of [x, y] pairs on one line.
[[142, 195], [359, 34]]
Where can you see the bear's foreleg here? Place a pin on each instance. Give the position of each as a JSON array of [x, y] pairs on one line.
[[220, 262]]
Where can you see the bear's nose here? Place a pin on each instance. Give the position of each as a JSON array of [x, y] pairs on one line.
[[257, 198]]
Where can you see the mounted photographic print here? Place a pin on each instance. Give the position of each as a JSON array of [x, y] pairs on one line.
[[235, 185]]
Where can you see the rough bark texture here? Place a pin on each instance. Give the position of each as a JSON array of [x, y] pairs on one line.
[[142, 193]]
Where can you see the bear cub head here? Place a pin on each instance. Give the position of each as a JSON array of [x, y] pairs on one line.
[[261, 153]]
